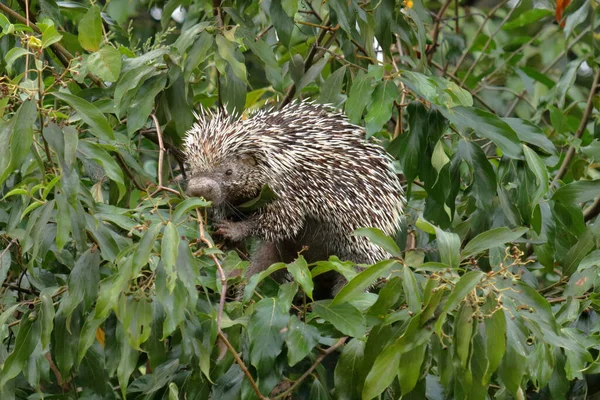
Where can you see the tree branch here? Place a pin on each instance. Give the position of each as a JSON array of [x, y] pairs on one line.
[[485, 20], [436, 29], [582, 124], [61, 52], [320, 358], [307, 64]]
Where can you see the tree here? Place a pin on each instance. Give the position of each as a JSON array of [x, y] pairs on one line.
[[113, 287]]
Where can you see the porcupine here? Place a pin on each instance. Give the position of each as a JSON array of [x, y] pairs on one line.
[[328, 179]]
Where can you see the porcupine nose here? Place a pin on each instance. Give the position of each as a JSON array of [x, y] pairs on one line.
[[204, 187]]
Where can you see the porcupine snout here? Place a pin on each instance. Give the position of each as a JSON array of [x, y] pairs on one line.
[[205, 187]]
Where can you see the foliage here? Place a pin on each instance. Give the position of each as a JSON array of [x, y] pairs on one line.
[[112, 286]]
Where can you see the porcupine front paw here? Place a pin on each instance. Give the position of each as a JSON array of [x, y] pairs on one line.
[[235, 231]]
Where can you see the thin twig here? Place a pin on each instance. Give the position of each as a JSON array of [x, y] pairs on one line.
[[241, 364], [161, 155], [549, 67], [128, 172], [204, 240], [221, 335], [436, 29], [310, 58], [61, 52], [509, 90], [488, 77], [489, 41], [468, 50], [263, 33], [309, 371], [592, 210], [324, 27], [8, 247], [582, 125]]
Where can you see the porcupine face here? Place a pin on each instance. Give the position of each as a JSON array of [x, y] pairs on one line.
[[234, 181]]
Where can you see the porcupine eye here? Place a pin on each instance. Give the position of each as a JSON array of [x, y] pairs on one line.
[[229, 172]]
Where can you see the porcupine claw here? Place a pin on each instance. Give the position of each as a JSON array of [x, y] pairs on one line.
[[235, 231]]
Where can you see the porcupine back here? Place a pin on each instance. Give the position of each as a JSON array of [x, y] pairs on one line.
[[321, 168]]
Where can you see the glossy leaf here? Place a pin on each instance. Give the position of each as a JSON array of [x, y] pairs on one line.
[[106, 63], [90, 29], [492, 238], [344, 317]]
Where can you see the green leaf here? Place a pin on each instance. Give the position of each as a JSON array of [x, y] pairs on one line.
[[331, 89], [486, 125], [265, 196], [47, 316], [106, 63], [299, 270], [283, 23], [463, 333], [5, 261], [13, 55], [383, 372], [127, 360], [449, 247], [266, 333], [566, 81], [144, 248], [360, 93], [414, 142], [467, 282], [313, 73], [136, 316], [142, 104], [169, 248], [591, 260], [88, 334], [344, 15], [344, 317], [411, 290], [16, 138], [527, 17], [233, 92], [379, 376], [376, 236], [362, 281], [495, 343], [26, 341], [186, 205], [379, 110], [227, 50], [89, 114], [129, 84], [350, 372], [530, 133], [94, 152], [300, 340], [409, 368], [90, 30], [83, 283], [436, 90], [492, 238], [536, 165], [173, 303], [578, 192], [49, 33]]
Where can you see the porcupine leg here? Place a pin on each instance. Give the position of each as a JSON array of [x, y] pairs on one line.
[[263, 257]]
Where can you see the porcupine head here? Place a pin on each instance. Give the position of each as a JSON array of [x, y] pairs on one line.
[[223, 168]]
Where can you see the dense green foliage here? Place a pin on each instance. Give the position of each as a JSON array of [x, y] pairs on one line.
[[112, 284]]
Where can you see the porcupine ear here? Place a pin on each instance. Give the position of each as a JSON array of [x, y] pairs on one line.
[[247, 159]]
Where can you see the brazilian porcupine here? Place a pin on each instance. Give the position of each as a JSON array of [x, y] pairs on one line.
[[328, 179]]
